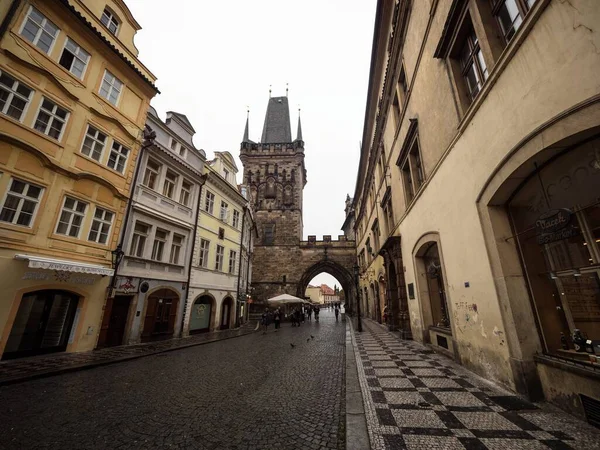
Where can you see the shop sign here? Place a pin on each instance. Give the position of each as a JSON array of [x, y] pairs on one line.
[[126, 285], [60, 276], [555, 225]]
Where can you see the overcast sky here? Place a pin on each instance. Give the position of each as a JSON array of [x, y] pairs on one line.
[[213, 59]]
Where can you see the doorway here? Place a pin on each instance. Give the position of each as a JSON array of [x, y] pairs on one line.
[[202, 311], [226, 313], [118, 320], [42, 325], [161, 311]]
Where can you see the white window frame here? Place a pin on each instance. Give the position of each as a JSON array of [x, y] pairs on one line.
[[236, 218], [232, 261], [187, 192], [223, 212], [170, 184], [53, 117], [118, 156], [73, 212], [211, 196], [135, 239], [12, 93], [22, 198], [111, 88], [77, 56], [203, 252], [219, 257], [177, 248], [149, 170], [159, 244], [38, 34], [102, 221], [112, 19], [95, 142]]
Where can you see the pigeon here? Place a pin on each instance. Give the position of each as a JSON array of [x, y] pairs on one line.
[[308, 340], [311, 336], [292, 345]]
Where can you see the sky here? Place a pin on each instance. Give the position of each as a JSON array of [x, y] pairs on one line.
[[215, 59]]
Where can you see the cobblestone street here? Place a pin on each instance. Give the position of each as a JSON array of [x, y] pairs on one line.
[[418, 400], [251, 392]]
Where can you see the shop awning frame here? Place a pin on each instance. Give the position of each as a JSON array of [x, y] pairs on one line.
[[40, 262]]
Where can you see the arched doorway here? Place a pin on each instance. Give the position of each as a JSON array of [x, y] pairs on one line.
[[339, 273], [375, 296], [43, 323], [161, 311], [202, 314], [226, 312], [381, 295]]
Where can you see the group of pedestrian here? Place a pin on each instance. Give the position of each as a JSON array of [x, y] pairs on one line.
[[298, 316]]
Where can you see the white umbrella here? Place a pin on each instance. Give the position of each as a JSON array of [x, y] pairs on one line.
[[286, 299]]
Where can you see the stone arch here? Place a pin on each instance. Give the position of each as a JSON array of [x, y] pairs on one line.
[[557, 136], [202, 315], [343, 275], [227, 313], [160, 313]]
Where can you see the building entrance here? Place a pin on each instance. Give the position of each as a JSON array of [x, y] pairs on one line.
[[42, 325], [161, 311]]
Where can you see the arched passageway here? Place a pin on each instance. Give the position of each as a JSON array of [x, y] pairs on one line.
[[202, 315]]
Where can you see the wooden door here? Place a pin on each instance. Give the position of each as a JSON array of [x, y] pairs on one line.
[[161, 312], [118, 320]]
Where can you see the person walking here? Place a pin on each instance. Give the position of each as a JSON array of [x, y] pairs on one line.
[[309, 312], [277, 318], [337, 313], [316, 314], [264, 320]]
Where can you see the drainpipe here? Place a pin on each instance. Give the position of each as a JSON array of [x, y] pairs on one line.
[[237, 314], [9, 15], [189, 275]]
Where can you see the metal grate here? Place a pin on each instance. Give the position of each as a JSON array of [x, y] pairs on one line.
[[591, 407], [442, 341]]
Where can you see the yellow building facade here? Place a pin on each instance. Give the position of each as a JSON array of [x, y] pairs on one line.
[[73, 103]]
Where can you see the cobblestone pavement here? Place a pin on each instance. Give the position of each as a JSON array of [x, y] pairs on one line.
[[253, 392], [417, 399], [36, 366]]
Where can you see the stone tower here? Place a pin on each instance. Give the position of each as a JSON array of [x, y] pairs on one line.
[[275, 174]]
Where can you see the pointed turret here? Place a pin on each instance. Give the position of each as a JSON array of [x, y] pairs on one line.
[[246, 130], [277, 129], [299, 132]]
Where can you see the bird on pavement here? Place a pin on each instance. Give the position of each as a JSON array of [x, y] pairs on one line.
[[292, 345], [311, 336], [308, 340]]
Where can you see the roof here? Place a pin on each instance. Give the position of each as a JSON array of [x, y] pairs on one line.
[[277, 127], [182, 118]]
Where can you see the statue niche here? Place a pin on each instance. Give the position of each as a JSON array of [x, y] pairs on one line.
[[270, 190], [288, 196]]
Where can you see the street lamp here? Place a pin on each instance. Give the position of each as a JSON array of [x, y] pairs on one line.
[[356, 274], [117, 256]]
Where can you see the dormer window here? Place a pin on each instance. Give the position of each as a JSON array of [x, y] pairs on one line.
[[110, 21], [226, 174], [177, 148]]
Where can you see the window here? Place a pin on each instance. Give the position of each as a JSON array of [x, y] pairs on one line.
[[204, 246], [185, 193], [408, 182], [389, 216], [232, 260], [176, 249], [38, 30], [174, 144], [269, 234], [509, 14], [20, 203], [100, 226], [209, 202], [118, 157], [93, 144], [221, 233], [109, 20], [223, 212], [111, 88], [474, 70], [169, 184], [151, 174], [71, 217], [51, 119], [160, 237], [74, 58], [219, 258], [138, 240], [402, 84], [236, 218], [376, 233], [14, 96], [410, 163], [226, 174]]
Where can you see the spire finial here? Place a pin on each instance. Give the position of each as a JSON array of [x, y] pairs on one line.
[[270, 86], [299, 132], [246, 130], [286, 89]]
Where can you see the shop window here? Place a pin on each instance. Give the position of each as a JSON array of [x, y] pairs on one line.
[[556, 219]]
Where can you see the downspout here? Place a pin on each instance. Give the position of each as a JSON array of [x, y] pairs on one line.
[[237, 301], [189, 275], [9, 16]]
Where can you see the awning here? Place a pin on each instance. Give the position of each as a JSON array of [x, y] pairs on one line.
[[39, 262]]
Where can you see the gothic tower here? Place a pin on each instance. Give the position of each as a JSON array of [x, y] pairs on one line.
[[275, 174]]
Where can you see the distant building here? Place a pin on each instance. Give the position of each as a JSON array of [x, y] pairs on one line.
[[322, 294]]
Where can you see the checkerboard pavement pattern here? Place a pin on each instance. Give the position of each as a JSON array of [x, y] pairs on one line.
[[417, 399]]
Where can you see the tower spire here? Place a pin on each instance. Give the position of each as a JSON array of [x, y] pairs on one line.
[[246, 130], [299, 133]]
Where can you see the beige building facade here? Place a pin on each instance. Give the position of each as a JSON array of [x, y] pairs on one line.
[[73, 101], [477, 192]]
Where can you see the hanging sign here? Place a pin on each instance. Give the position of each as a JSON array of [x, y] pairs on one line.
[[555, 225]]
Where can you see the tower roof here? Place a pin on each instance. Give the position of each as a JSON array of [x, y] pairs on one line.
[[277, 127], [299, 133], [246, 138]]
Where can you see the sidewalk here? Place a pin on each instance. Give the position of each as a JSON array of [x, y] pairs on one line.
[[417, 399], [17, 370]]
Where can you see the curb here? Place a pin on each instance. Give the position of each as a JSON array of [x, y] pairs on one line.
[[357, 435], [92, 365]]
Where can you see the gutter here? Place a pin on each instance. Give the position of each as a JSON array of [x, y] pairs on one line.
[[237, 314], [189, 275], [9, 16]]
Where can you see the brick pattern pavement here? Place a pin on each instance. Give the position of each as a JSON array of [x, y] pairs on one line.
[[256, 392], [17, 370], [417, 399]]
